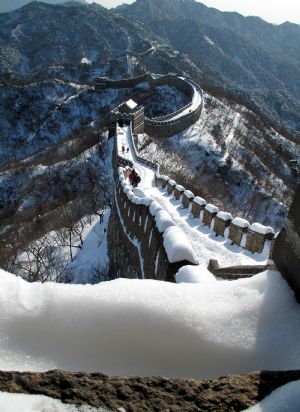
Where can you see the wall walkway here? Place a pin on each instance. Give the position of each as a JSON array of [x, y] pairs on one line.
[[175, 122], [143, 218]]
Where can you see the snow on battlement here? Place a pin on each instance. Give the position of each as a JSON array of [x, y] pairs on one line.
[[263, 230], [224, 216], [163, 220], [238, 221], [188, 194], [155, 207], [211, 208], [177, 246], [194, 274], [200, 201]]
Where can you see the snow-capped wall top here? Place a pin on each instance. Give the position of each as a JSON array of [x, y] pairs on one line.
[[211, 208], [180, 188], [238, 221], [172, 182], [200, 201], [194, 274], [189, 194], [177, 246], [224, 216], [155, 207], [264, 230], [163, 220]]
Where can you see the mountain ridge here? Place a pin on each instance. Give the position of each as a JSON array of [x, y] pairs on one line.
[[10, 5]]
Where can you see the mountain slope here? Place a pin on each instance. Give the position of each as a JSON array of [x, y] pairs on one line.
[[9, 5], [63, 35], [257, 56]]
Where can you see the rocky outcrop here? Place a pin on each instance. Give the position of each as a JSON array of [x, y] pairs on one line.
[[135, 394]]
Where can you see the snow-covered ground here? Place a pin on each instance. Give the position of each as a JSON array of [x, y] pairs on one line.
[[93, 257], [147, 327], [284, 399], [10, 402]]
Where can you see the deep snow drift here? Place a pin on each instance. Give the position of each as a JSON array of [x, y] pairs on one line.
[[10, 402], [146, 327], [284, 399]]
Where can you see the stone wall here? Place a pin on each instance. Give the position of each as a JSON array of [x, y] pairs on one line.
[[286, 250], [136, 245], [239, 231], [123, 255], [163, 126], [229, 393]]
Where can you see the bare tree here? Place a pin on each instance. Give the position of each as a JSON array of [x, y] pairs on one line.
[[40, 262]]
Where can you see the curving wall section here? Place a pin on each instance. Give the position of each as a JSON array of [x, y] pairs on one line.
[[252, 237], [142, 234], [172, 123]]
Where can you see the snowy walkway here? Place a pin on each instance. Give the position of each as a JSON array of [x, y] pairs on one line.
[[206, 245]]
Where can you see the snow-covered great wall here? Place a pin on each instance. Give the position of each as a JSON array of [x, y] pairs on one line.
[[159, 227], [172, 123]]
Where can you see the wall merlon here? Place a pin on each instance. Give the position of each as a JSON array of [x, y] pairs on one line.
[[238, 228]]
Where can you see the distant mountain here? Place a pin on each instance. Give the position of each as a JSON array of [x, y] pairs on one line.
[[9, 5], [246, 59], [40, 35], [259, 58]]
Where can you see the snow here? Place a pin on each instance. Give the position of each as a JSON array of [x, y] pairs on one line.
[[85, 60], [177, 246], [203, 241], [11, 402], [284, 399], [209, 41], [155, 207], [172, 182], [180, 188], [238, 221], [205, 330], [211, 208], [199, 200], [93, 257], [194, 274], [163, 220], [131, 104], [264, 230], [224, 215], [188, 194]]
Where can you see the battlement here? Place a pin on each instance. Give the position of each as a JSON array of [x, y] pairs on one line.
[[254, 238], [161, 126], [151, 232]]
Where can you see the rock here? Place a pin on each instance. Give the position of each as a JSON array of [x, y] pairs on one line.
[[228, 393]]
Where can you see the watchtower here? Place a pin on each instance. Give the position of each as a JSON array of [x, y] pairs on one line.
[[130, 111]]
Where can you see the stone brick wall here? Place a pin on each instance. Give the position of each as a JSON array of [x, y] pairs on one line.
[[254, 240], [286, 250], [123, 255], [135, 244], [162, 126]]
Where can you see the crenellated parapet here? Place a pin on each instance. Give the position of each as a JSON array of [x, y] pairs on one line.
[[286, 248], [253, 238], [162, 248], [161, 126]]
